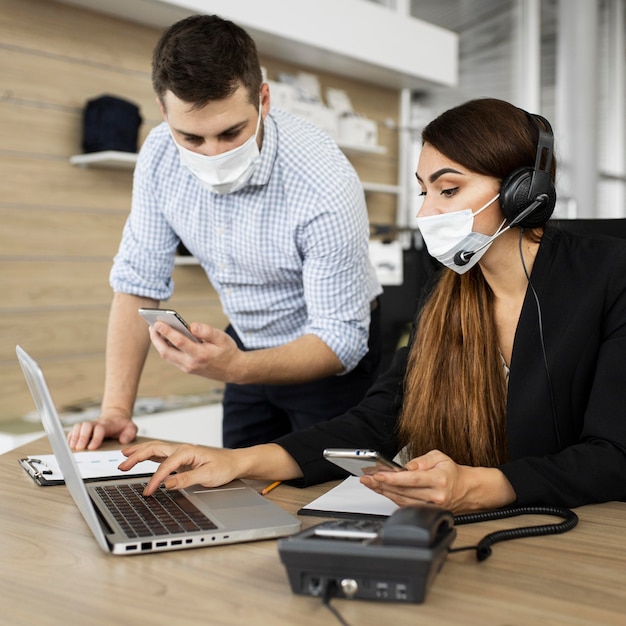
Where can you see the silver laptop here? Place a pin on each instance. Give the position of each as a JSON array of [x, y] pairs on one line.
[[125, 522]]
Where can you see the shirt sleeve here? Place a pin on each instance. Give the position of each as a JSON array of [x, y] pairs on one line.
[[338, 278], [144, 262]]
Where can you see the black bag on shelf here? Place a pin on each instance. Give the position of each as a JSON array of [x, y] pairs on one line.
[[110, 123]]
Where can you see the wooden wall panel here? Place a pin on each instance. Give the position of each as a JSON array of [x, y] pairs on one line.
[[26, 231], [30, 129], [24, 73], [65, 31], [61, 224], [54, 283], [43, 181], [83, 330], [53, 332], [58, 283], [76, 382]]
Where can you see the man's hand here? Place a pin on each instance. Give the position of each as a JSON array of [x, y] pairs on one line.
[[216, 356], [90, 435]]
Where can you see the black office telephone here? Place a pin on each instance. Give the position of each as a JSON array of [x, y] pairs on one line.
[[394, 560]]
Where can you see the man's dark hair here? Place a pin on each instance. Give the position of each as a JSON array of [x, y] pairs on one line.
[[203, 58]]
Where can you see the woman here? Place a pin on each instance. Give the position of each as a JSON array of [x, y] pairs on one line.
[[513, 388]]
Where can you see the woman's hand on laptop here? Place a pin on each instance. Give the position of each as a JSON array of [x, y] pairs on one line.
[[194, 464], [210, 467]]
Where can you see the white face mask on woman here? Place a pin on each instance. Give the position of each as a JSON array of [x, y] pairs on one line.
[[448, 234], [227, 172]]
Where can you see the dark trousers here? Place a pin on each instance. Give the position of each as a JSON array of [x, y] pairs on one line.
[[260, 413]]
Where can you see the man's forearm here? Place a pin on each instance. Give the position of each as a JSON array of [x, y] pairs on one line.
[[302, 360], [127, 346]]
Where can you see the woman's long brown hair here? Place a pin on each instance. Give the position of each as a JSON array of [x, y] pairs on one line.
[[455, 386]]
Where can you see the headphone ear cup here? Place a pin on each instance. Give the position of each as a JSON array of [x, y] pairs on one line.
[[514, 192], [515, 196]]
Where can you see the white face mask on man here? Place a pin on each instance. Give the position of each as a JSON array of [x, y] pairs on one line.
[[448, 234], [227, 172]]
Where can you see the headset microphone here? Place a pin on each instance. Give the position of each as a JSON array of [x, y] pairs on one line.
[[462, 257]]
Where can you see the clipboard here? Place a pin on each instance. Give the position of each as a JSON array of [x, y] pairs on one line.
[[93, 466]]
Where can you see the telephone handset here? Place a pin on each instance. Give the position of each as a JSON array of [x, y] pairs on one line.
[[415, 527], [395, 559]]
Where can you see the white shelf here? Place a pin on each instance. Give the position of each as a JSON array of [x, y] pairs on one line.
[[185, 260], [361, 149], [111, 159], [381, 188]]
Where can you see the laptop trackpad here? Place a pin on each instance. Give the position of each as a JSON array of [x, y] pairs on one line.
[[236, 495]]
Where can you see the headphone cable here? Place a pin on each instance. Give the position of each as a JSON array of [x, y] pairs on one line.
[[541, 338]]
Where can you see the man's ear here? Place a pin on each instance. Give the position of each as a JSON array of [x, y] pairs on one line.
[[161, 108], [265, 99]]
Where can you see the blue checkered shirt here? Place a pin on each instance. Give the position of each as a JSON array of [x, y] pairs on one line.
[[287, 254]]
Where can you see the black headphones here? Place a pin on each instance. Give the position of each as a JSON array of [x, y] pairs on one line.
[[527, 195]]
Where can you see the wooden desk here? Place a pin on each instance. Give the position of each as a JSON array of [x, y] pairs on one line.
[[52, 572]]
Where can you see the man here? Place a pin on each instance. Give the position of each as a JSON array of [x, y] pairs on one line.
[[276, 216]]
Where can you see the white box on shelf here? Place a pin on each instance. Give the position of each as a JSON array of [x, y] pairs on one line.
[[358, 131], [318, 114], [282, 95]]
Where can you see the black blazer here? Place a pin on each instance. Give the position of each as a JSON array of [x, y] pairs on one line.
[[566, 415]]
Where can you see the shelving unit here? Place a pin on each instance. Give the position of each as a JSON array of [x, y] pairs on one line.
[[114, 159]]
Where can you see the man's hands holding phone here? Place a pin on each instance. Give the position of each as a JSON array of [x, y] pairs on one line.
[[194, 349]]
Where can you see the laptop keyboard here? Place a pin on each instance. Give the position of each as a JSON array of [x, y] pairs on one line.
[[164, 513]]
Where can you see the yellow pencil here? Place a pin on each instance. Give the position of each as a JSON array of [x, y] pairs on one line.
[[270, 487]]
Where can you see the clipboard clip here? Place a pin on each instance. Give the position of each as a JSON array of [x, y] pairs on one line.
[[31, 467]]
